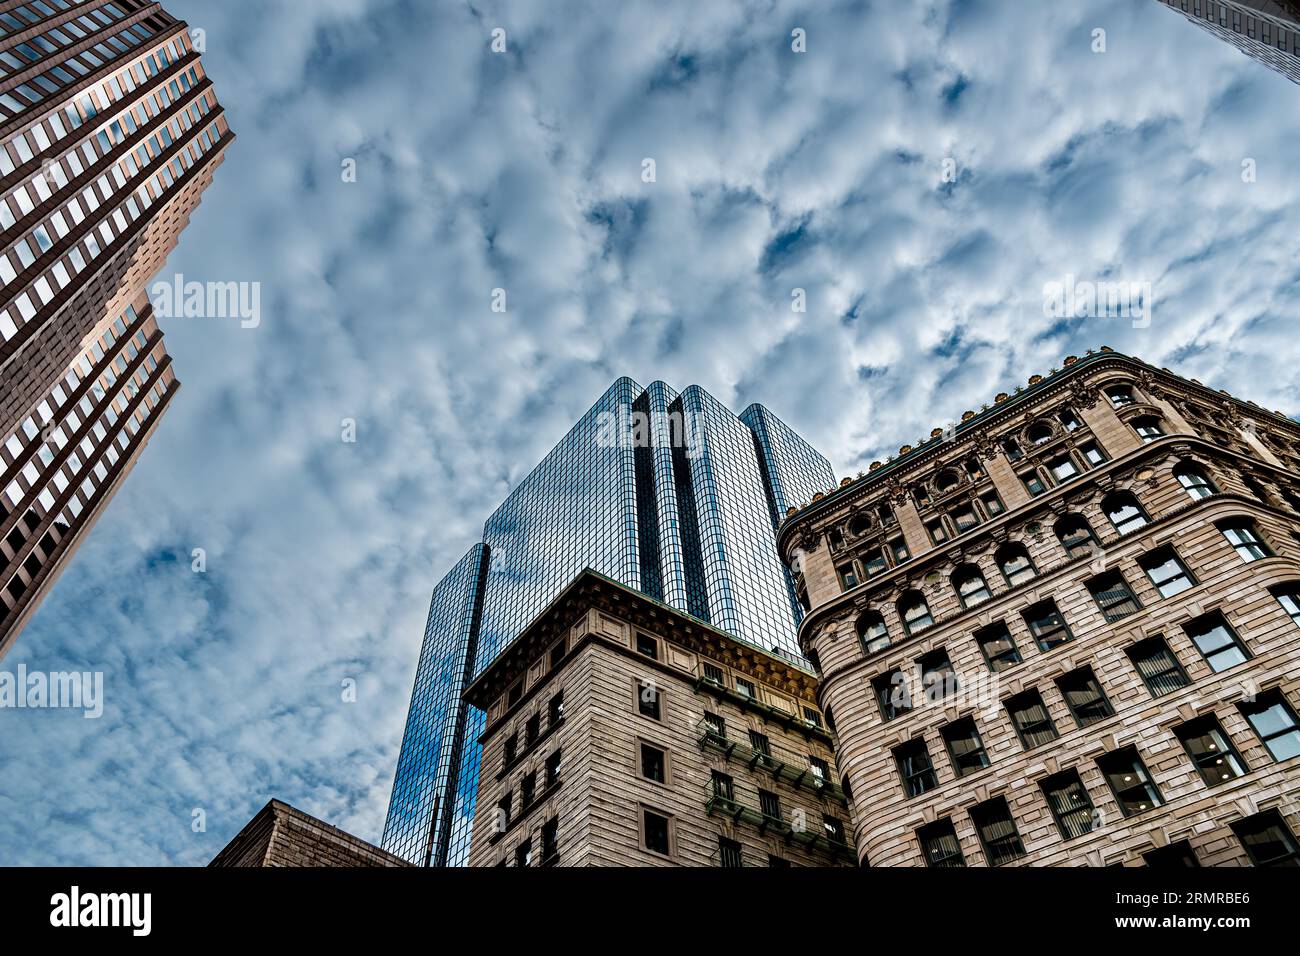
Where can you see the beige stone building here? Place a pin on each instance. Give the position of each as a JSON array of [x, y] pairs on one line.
[[283, 836], [1067, 631], [621, 732]]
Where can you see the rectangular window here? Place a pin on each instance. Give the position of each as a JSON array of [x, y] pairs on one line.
[[1157, 666], [938, 678], [998, 647], [746, 688], [524, 853], [1267, 839], [777, 861], [899, 547], [550, 841], [505, 806], [1217, 642], [647, 700], [1070, 804], [715, 726], [1115, 599], [821, 770], [1047, 625], [1133, 787], [965, 518], [965, 748], [915, 768], [653, 764], [874, 562], [762, 748], [1175, 856], [1245, 540], [553, 770], [1063, 468], [939, 844], [812, 716], [1033, 484], [1210, 750], [1030, 718], [724, 787], [510, 750], [647, 645], [532, 729], [997, 831], [848, 576], [1167, 572], [557, 655], [1093, 454], [992, 504], [833, 828], [938, 533], [1084, 696], [729, 853], [892, 694], [655, 832], [1275, 723], [713, 674], [555, 710], [527, 790], [1289, 598], [769, 804]]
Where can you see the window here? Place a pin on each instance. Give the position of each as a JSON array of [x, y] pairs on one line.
[[874, 563], [947, 481], [1013, 450], [1148, 429], [992, 504], [505, 807], [965, 748], [997, 831], [1033, 484], [729, 853], [1124, 512], [939, 844], [1013, 560], [1210, 750], [1114, 598], [1275, 723], [555, 710], [655, 832], [914, 612], [938, 679], [915, 768], [777, 861], [1076, 536], [1047, 625], [1084, 696], [713, 674], [821, 770], [514, 693], [746, 688], [653, 764], [553, 769], [1093, 454], [1217, 642], [1245, 540], [1172, 857], [647, 700], [762, 747], [1062, 468], [724, 787], [715, 726], [998, 647], [899, 548], [965, 518], [647, 645], [532, 729], [1267, 839], [1069, 420], [970, 586], [510, 750], [1040, 434], [527, 790], [1289, 597], [1030, 718], [1195, 482], [550, 841], [848, 576], [1157, 666], [1121, 396], [1070, 804], [524, 853], [769, 804], [557, 655], [938, 533], [833, 828], [1167, 572], [892, 694], [1129, 781], [810, 715], [873, 635]]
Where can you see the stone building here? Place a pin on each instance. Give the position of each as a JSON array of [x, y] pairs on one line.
[[281, 835], [1067, 631]]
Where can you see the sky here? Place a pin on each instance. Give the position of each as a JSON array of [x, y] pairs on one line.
[[922, 171]]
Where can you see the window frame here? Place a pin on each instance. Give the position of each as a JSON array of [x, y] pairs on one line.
[[1013, 705]]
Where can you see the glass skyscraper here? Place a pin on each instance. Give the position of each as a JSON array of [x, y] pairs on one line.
[[666, 492]]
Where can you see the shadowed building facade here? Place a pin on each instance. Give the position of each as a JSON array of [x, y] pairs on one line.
[[1069, 632], [109, 133], [667, 493], [1265, 30]]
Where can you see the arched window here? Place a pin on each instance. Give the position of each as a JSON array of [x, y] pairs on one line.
[[873, 635], [1194, 481], [1148, 428], [914, 612], [1016, 566], [970, 585], [1121, 396], [1040, 434], [1124, 512], [1076, 536], [859, 526]]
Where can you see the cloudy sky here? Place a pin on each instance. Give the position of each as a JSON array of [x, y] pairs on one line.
[[775, 170]]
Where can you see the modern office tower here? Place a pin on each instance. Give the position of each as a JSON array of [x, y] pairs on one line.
[[1087, 651], [1267, 30], [665, 492], [109, 133], [623, 732]]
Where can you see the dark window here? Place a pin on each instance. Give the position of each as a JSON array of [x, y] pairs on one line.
[[533, 729], [1063, 468], [874, 562], [992, 504], [557, 655], [513, 695], [1070, 804], [656, 832], [713, 673], [524, 853], [1013, 450], [833, 827], [1030, 718], [553, 769], [1040, 434], [965, 518], [872, 632], [1167, 572], [1121, 396], [848, 576], [762, 747], [821, 770], [1195, 482], [1093, 454], [998, 647], [1047, 625], [1124, 512], [1217, 642], [1129, 781], [1276, 724], [1115, 599], [938, 533], [965, 748], [510, 750], [1069, 420], [914, 612], [527, 790], [1077, 537], [940, 845], [647, 645], [1157, 666], [550, 840], [1267, 839], [899, 548], [937, 676], [1013, 560], [1148, 429], [555, 711], [746, 688], [1211, 751], [970, 586], [915, 768], [1084, 696], [812, 716], [647, 699], [653, 764], [892, 694], [1245, 540], [1033, 484], [723, 786], [729, 853], [505, 807], [769, 803], [997, 831], [1172, 857], [715, 726], [778, 861]]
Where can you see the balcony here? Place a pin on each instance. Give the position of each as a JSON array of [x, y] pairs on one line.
[[794, 770], [768, 712], [815, 840]]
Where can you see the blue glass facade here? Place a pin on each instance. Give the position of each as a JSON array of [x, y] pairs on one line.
[[668, 493]]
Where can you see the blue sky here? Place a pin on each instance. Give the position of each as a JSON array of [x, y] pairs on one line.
[[475, 171]]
